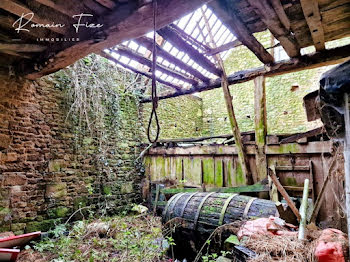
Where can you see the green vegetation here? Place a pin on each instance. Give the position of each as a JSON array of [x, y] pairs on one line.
[[120, 238]]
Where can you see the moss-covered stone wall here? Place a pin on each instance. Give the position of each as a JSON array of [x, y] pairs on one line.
[[49, 169], [284, 95], [178, 117]]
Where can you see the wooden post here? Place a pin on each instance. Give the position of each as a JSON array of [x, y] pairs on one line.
[[260, 128], [284, 193], [303, 210], [347, 158], [242, 157]]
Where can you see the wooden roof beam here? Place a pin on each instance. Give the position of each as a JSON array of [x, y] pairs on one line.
[[170, 35], [122, 50], [58, 7], [148, 43], [271, 19], [137, 71], [227, 12], [224, 47], [20, 10], [314, 21], [318, 59], [123, 23], [30, 48]]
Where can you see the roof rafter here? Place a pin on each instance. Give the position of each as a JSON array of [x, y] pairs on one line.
[[271, 19], [171, 36], [137, 71], [148, 43], [229, 16], [123, 23], [122, 50], [314, 21]]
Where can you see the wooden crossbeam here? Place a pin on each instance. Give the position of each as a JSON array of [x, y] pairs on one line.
[[126, 22], [122, 50], [148, 43], [137, 71], [314, 21], [19, 9], [228, 13], [318, 59], [224, 47], [188, 37], [168, 34], [22, 47], [271, 19]]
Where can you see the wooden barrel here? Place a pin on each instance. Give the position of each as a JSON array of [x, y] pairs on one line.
[[204, 212]]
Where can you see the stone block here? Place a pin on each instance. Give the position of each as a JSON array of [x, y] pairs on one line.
[[11, 157], [14, 179], [56, 190], [5, 141], [55, 165], [127, 188]]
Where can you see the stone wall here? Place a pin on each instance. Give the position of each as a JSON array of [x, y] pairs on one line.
[[178, 117], [284, 95], [48, 169]]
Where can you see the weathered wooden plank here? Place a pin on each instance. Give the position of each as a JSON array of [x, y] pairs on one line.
[[260, 127], [192, 171], [276, 4], [269, 16], [241, 189], [208, 171], [58, 7], [318, 59], [317, 147], [22, 47], [228, 14], [219, 172], [107, 3], [314, 21], [20, 10]]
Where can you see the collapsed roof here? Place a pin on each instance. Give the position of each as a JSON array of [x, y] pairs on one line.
[[184, 47]]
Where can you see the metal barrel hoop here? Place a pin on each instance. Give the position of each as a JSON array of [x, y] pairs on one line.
[[186, 202], [224, 208], [199, 209], [247, 207]]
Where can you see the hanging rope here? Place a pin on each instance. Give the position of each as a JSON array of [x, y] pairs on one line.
[[154, 83]]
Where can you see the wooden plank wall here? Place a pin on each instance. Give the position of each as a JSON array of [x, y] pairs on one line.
[[218, 166]]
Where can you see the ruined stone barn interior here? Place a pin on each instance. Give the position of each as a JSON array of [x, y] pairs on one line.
[[163, 130]]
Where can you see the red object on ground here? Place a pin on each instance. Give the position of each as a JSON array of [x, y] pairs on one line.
[[20, 240], [331, 246], [8, 254], [265, 226]]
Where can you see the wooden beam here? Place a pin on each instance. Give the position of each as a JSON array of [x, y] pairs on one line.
[[318, 59], [242, 156], [228, 14], [311, 133], [224, 47], [122, 50], [314, 21], [284, 193], [58, 7], [189, 38], [170, 35], [107, 3], [137, 71], [260, 126], [19, 9], [277, 5], [148, 43], [272, 21], [119, 26], [22, 47]]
